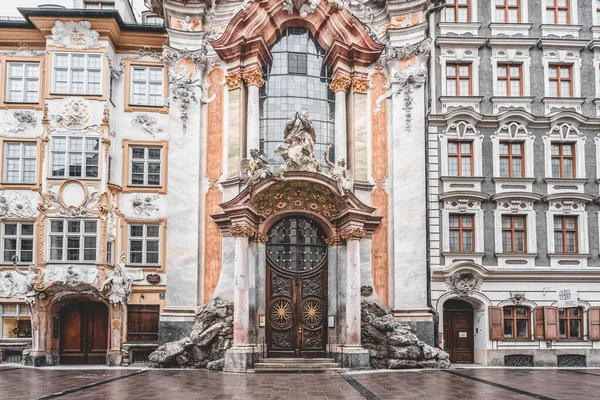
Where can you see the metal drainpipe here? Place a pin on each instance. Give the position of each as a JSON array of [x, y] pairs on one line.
[[438, 6]]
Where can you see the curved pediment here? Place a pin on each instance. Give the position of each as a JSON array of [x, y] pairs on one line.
[[253, 30], [301, 191]]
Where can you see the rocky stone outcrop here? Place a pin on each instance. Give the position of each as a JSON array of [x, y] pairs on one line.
[[211, 336], [394, 346]]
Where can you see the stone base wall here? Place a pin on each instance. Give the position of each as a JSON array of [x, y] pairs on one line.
[[543, 357]]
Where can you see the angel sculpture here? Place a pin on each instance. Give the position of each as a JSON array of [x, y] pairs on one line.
[[258, 167], [338, 172]]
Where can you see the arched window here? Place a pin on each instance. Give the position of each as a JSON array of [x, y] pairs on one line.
[[297, 78]]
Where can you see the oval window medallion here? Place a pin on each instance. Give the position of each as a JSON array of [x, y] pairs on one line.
[[73, 194]]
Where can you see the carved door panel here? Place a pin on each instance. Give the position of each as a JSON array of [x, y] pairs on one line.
[[84, 333], [458, 336], [296, 290]]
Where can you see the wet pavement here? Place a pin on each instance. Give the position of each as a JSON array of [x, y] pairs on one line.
[[18, 383]]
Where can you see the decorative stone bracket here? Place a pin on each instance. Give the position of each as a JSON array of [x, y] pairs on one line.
[[237, 230], [345, 235]]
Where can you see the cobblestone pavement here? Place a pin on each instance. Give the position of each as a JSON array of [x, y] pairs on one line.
[[18, 383]]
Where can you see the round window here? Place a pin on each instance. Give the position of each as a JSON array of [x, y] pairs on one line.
[[297, 245]]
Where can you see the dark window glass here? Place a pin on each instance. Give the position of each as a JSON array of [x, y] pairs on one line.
[[297, 245], [296, 78]]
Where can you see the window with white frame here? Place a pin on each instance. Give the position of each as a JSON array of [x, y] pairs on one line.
[[15, 320], [145, 165], [460, 158], [514, 233], [462, 219], [73, 240], [458, 79], [22, 82], [460, 146], [20, 162], [144, 244], [596, 11], [508, 11], [560, 80], [77, 73], [17, 240], [513, 150], [558, 11], [147, 86], [509, 80], [462, 237], [564, 147], [153, 19], [74, 157], [458, 11], [99, 5], [110, 252], [568, 234]]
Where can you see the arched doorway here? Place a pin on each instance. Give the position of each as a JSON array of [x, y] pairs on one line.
[[296, 289], [84, 333], [458, 331]]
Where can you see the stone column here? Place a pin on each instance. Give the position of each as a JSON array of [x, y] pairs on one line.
[[354, 356], [339, 85], [254, 81], [240, 357], [241, 294]]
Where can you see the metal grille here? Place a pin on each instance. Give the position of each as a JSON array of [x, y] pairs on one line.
[[297, 245], [518, 360], [297, 78], [571, 360]]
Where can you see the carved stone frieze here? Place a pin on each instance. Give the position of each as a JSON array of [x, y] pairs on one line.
[[517, 298], [16, 205], [299, 5], [75, 35], [74, 115], [147, 124], [22, 121], [464, 284], [145, 205]]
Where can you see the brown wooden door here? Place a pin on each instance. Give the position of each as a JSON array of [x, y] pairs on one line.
[[84, 333], [296, 289], [458, 336]]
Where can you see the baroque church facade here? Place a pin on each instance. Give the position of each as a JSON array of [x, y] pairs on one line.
[[282, 164]]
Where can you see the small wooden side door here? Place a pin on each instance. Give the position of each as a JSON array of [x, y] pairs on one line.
[[458, 336]]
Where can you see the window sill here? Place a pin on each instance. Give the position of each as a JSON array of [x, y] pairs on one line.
[[20, 186], [144, 189], [505, 103], [451, 102], [552, 104], [74, 178], [459, 28], [560, 30], [510, 28], [142, 108], [28, 106]]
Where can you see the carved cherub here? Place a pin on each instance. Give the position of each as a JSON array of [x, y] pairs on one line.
[[257, 166], [338, 172]]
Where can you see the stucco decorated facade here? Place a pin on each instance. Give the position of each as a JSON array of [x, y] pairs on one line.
[[243, 153]]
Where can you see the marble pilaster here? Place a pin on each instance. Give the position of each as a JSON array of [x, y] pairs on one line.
[[254, 81], [339, 85]]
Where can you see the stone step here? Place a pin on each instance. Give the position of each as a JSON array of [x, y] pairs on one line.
[[296, 360], [299, 365]]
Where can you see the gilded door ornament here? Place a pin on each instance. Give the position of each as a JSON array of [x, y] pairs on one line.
[[312, 312], [281, 312], [353, 234]]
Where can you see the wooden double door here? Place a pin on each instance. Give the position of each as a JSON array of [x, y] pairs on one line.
[[296, 290], [83, 333], [458, 336]]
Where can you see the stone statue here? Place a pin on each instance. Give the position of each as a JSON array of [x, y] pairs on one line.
[[31, 277], [299, 136], [339, 173], [118, 284], [257, 166]]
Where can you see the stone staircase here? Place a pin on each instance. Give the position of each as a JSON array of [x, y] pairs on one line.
[[296, 365]]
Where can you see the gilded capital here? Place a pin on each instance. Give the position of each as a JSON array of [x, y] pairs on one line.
[[334, 240], [253, 78], [353, 234], [260, 237], [360, 85], [234, 81], [340, 83], [241, 231]]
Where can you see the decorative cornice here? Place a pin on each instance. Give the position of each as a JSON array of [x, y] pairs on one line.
[[353, 234], [234, 81], [340, 83], [253, 78], [360, 85]]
